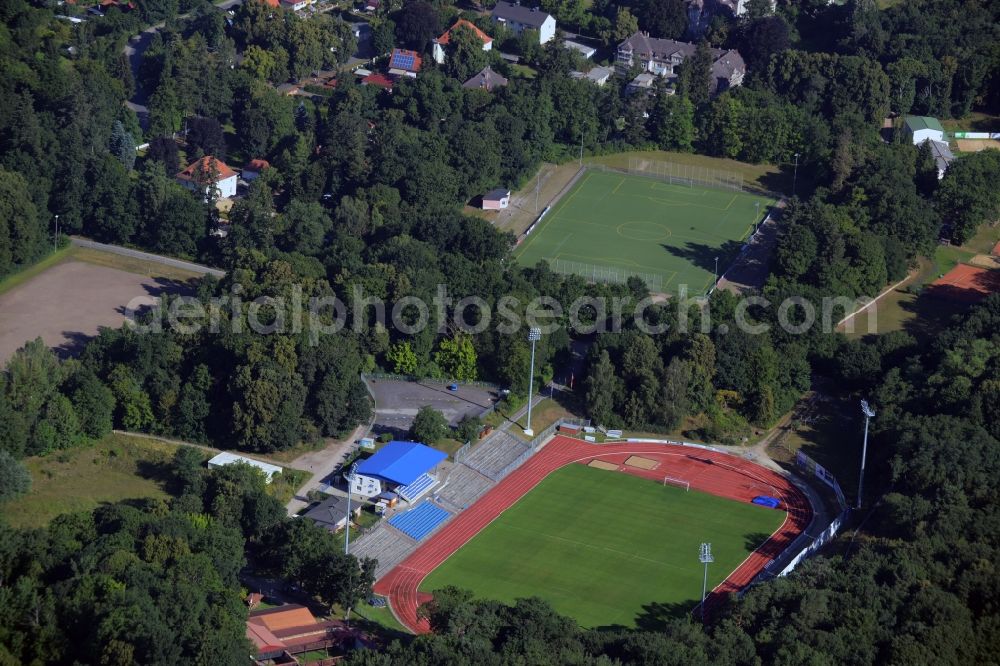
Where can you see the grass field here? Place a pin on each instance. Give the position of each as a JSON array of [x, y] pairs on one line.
[[669, 234], [607, 548], [114, 469]]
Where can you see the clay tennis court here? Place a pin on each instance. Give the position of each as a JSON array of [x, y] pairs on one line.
[[966, 283], [713, 472], [68, 303]]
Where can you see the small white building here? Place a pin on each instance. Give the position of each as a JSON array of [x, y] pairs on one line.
[[584, 50], [441, 42], [923, 128], [497, 199], [208, 174], [519, 19], [226, 458], [597, 75]]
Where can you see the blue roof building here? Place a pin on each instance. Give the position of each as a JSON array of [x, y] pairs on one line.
[[401, 463]]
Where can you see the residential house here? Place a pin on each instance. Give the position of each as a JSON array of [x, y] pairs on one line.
[[377, 79], [923, 128], [701, 12], [331, 513], [280, 633], [254, 168], [372, 6], [497, 199], [403, 62], [942, 156], [597, 75], [225, 458], [641, 83], [208, 174], [662, 56], [296, 5], [486, 79], [441, 42], [519, 18]]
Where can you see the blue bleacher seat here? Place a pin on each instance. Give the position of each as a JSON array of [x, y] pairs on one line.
[[414, 490], [420, 521]]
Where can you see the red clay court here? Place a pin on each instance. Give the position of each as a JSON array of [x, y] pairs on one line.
[[712, 472], [966, 283]]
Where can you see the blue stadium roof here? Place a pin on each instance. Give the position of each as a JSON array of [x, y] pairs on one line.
[[401, 462]]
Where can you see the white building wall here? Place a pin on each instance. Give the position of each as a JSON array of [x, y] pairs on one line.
[[366, 486], [924, 134]]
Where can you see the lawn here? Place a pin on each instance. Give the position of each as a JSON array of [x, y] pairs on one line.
[[610, 226], [607, 548], [116, 468]]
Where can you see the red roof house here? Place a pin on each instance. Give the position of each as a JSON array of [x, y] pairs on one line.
[[209, 172], [292, 629], [403, 62], [378, 79], [445, 39]]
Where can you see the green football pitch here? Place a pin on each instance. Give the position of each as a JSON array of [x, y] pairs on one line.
[[607, 548], [610, 226]]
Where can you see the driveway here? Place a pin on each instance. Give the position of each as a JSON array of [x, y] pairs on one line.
[[397, 402]]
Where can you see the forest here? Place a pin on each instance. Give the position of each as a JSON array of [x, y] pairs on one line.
[[365, 197]]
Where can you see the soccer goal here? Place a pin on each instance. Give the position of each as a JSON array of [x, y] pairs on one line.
[[680, 483]]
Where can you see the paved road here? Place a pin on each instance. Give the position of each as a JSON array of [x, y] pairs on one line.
[[322, 464], [147, 256]]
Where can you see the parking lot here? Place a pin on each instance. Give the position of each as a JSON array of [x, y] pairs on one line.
[[397, 402]]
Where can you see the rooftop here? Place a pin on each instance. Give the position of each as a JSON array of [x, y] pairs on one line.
[[916, 123], [330, 511], [226, 458], [486, 79], [207, 165], [530, 16], [496, 194], [446, 37], [408, 61], [401, 462]]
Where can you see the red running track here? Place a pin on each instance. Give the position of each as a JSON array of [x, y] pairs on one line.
[[717, 473]]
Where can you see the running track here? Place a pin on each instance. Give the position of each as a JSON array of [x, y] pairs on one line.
[[709, 471]]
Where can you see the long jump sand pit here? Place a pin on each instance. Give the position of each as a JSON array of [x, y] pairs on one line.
[[601, 464], [68, 303], [642, 463]]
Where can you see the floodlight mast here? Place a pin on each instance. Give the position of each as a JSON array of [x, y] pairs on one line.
[[705, 557], [534, 335], [869, 413], [347, 527]]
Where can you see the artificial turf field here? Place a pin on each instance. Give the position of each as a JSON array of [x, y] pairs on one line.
[[601, 545], [645, 226]]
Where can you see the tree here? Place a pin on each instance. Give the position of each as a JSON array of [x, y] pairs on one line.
[[383, 36], [965, 198], [625, 26], [456, 358], [468, 429], [603, 386], [122, 146], [429, 425], [164, 149], [666, 19], [403, 359], [134, 409], [22, 234], [15, 480], [673, 122], [417, 23]]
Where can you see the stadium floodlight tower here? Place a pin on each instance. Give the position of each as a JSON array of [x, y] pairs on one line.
[[705, 557], [347, 527], [869, 413], [534, 335]]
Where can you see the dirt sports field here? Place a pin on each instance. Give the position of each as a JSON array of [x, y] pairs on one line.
[[717, 474], [975, 145], [69, 302], [966, 283]]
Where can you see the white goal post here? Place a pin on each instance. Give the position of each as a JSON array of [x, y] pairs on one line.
[[686, 485]]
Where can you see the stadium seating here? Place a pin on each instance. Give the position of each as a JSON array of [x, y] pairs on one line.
[[420, 521], [418, 488]]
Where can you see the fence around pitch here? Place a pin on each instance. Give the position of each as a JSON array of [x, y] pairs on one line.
[[391, 377], [603, 274]]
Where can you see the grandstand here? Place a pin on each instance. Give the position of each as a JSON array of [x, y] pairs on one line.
[[463, 487], [417, 489], [384, 544], [495, 456], [420, 521]]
